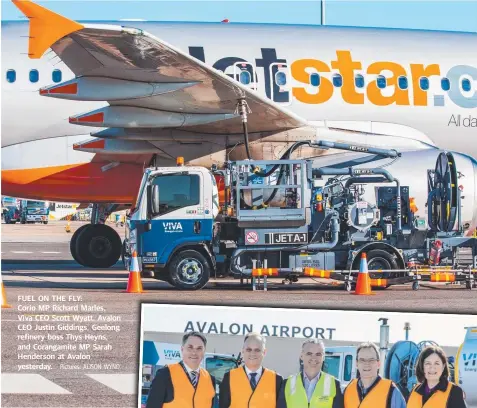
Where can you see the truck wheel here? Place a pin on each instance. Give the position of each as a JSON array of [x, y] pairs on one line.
[[189, 270], [380, 259]]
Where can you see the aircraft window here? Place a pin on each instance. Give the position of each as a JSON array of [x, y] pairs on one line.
[[381, 81], [245, 77], [11, 75], [337, 80], [445, 84], [281, 78], [315, 79], [56, 75], [466, 86], [402, 82], [359, 81], [424, 83], [34, 75]]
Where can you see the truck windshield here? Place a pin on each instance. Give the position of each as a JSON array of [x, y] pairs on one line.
[[177, 191], [217, 367], [332, 365]]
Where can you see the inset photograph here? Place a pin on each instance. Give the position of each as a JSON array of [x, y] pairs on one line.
[[220, 357]]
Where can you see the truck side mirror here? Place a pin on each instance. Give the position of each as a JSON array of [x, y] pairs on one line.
[[155, 200], [152, 200]]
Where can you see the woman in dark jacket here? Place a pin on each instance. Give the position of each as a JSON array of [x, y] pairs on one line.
[[434, 389]]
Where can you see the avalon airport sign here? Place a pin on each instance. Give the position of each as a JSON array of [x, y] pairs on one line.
[[339, 325]]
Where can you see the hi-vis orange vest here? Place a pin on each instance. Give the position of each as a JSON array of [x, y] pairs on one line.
[[185, 395], [242, 396], [437, 400], [376, 398]]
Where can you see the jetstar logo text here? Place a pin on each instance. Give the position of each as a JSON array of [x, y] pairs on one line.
[[412, 94]]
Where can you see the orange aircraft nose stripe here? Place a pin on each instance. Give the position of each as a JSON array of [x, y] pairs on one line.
[[25, 176], [46, 27]]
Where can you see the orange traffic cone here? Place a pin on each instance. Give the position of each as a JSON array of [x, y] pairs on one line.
[[5, 305], [363, 285], [134, 282]]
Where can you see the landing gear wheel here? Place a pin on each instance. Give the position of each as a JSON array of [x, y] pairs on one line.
[[348, 286], [383, 260], [415, 285], [98, 246], [189, 270], [45, 222], [73, 243]]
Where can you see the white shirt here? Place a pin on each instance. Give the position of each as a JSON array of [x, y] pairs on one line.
[[257, 377], [310, 385], [189, 371]]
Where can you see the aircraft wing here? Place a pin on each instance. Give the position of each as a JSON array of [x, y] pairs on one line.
[[146, 82]]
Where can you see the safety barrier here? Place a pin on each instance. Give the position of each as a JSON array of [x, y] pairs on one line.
[[414, 275]]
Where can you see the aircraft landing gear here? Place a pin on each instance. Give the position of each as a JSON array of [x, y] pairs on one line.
[[96, 245]]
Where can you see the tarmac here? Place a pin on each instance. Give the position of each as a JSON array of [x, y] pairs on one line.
[[36, 262]]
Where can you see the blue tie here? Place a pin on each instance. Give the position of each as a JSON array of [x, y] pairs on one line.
[[253, 381], [194, 378]]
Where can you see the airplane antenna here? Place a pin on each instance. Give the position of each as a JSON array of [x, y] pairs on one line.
[[323, 12]]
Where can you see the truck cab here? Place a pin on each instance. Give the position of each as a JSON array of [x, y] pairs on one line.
[[34, 211], [171, 226]]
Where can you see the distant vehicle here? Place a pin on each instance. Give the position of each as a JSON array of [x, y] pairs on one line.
[[34, 211], [11, 214]]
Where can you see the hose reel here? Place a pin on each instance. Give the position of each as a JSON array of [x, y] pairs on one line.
[[443, 195]]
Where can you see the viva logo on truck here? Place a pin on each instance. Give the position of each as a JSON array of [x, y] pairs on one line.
[[172, 226]]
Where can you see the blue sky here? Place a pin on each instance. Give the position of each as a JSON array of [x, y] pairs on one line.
[[428, 14]]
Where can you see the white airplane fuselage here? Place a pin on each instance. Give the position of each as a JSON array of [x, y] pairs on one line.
[[38, 160]]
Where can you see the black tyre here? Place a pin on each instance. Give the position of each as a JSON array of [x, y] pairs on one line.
[[73, 240], [45, 222], [380, 259], [98, 246], [189, 270]]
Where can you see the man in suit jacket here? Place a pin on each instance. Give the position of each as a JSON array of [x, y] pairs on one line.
[[252, 385], [184, 384]]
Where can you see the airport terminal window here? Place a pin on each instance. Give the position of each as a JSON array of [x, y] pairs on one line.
[[315, 79], [34, 75], [359, 81], [337, 80], [11, 75], [245, 77], [445, 84], [281, 78], [402, 82], [381, 81], [424, 83], [177, 191], [466, 86], [56, 75]]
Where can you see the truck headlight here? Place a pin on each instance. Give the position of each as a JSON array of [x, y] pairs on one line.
[[133, 236]]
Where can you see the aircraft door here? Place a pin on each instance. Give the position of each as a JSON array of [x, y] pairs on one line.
[[279, 80], [246, 74]]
